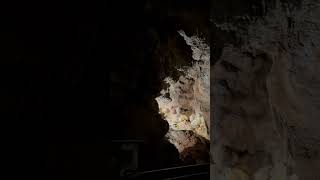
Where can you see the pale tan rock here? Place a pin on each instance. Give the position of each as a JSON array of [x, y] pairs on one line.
[[185, 104]]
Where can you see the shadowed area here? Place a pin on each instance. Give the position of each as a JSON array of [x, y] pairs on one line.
[[78, 76]]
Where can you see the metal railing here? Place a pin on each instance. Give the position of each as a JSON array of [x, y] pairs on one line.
[[179, 172]]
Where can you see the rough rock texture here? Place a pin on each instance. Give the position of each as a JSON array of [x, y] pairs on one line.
[[185, 103], [265, 94], [192, 147], [153, 51]]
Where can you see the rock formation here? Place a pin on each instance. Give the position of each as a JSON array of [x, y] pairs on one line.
[[264, 87], [185, 103]]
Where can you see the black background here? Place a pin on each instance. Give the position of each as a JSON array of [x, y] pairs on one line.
[[54, 86]]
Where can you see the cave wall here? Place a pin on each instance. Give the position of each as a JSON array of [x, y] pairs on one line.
[[185, 103], [264, 84], [154, 50]]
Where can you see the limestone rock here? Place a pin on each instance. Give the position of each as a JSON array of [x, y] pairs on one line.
[[185, 103], [265, 103]]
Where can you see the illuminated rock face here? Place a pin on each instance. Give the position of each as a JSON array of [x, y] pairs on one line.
[[265, 115], [185, 103]]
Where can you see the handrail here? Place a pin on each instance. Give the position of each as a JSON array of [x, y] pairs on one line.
[[172, 172]]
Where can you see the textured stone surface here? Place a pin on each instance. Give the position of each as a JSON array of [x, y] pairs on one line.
[[192, 147], [145, 53], [185, 103], [265, 88]]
